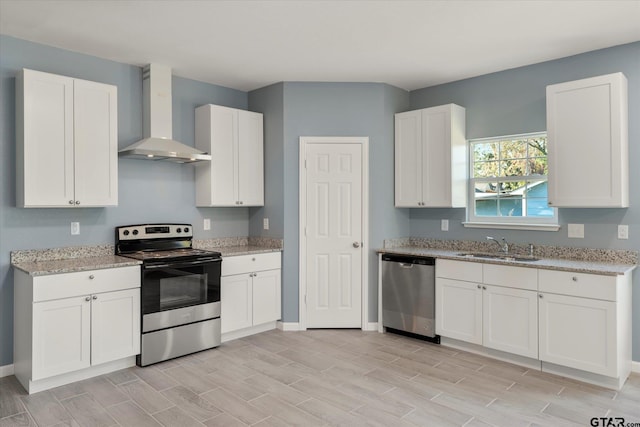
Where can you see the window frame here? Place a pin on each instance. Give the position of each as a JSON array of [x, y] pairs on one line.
[[506, 222]]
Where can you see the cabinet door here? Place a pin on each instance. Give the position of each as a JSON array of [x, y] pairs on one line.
[[61, 336], [96, 144], [459, 310], [45, 140], [408, 159], [510, 320], [579, 333], [436, 156], [115, 325], [224, 153], [266, 296], [236, 302], [587, 127], [250, 159]]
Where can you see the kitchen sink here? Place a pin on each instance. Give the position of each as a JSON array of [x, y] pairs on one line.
[[501, 257]]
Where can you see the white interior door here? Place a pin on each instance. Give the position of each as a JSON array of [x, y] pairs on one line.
[[333, 239]]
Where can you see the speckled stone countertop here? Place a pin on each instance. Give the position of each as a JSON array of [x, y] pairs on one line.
[[233, 246], [579, 260], [43, 262]]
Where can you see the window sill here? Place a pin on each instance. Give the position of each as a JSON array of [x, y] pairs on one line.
[[535, 227]]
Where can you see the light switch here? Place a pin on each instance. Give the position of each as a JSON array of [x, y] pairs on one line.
[[75, 228], [265, 223], [575, 231], [207, 224], [444, 225]]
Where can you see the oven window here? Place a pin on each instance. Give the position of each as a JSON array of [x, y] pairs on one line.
[[182, 291], [167, 288]]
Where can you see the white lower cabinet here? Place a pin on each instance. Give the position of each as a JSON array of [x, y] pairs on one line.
[[61, 337], [75, 325], [250, 294], [510, 320], [572, 324], [579, 333], [585, 323], [459, 310], [498, 317]]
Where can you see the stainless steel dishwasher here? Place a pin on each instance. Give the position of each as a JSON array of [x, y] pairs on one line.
[[408, 295]]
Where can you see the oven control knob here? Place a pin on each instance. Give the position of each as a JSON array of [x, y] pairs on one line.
[[125, 232], [186, 229], [135, 232], [178, 230]]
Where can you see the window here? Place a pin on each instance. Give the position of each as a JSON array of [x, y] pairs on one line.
[[508, 184]]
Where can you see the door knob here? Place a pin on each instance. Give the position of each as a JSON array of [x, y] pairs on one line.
[[356, 244]]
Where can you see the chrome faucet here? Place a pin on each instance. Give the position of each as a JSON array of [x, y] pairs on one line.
[[504, 246]]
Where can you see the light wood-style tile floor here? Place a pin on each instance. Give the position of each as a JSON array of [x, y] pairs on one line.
[[322, 377]]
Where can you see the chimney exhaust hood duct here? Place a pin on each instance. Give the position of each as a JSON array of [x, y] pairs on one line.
[[157, 122]]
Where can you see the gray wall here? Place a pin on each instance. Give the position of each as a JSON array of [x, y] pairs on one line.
[[341, 109], [513, 101], [270, 102], [148, 191]]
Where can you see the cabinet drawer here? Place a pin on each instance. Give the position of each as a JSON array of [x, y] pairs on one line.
[[577, 284], [88, 282], [249, 263], [459, 270], [509, 276]]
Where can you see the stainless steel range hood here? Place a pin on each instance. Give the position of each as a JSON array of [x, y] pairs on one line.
[[156, 116]]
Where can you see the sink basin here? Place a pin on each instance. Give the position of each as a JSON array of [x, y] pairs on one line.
[[501, 257]]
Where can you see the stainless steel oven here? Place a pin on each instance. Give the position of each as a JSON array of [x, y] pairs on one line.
[[180, 290]]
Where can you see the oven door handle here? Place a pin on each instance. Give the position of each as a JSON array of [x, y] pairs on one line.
[[183, 264]]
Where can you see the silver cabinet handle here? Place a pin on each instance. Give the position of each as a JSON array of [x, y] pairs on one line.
[[70, 202], [253, 259], [479, 287], [87, 299], [94, 297], [356, 244], [484, 288], [77, 202], [92, 277], [539, 295], [574, 278]]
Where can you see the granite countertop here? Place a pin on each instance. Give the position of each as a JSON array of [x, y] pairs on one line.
[[47, 267], [610, 267], [233, 246], [245, 250], [42, 262]]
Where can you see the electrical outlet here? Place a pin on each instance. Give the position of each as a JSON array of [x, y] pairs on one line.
[[623, 232], [75, 228], [265, 223], [207, 224], [575, 231], [444, 225]]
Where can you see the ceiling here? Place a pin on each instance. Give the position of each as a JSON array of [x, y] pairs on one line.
[[250, 44]]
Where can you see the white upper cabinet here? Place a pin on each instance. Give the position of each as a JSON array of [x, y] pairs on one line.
[[431, 157], [587, 128], [235, 175], [66, 141]]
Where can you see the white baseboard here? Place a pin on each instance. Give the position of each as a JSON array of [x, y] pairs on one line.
[[371, 326], [241, 333], [635, 367], [294, 326], [6, 370], [288, 326]]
